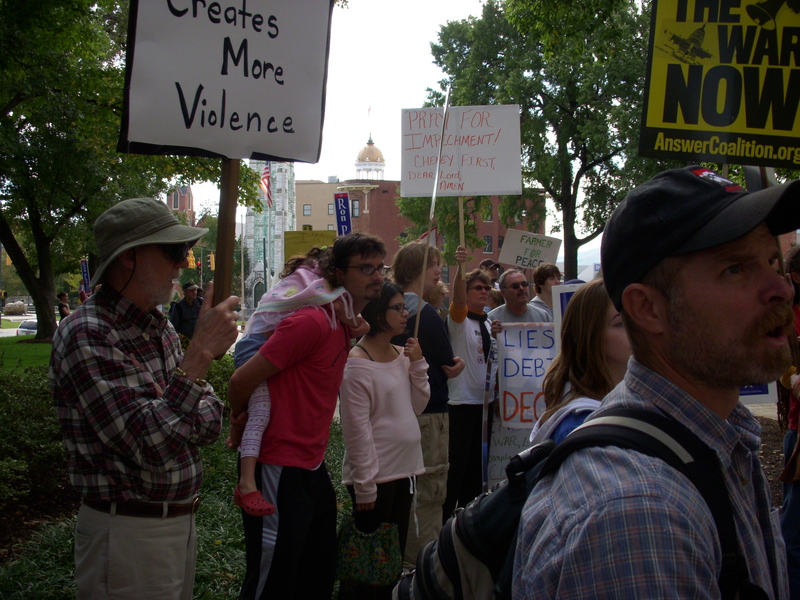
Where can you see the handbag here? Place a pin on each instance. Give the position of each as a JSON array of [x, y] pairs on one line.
[[369, 558]]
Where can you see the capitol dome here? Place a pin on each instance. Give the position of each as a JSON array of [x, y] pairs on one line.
[[370, 162]]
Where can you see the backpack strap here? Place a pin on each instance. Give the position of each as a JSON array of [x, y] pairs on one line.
[[665, 438]]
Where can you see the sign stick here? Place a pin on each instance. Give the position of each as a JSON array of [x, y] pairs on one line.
[[226, 229], [433, 208]]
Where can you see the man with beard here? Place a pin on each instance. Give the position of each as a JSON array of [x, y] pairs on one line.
[[292, 553], [134, 410], [691, 262]]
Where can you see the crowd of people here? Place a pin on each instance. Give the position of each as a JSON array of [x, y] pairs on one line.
[[693, 304]]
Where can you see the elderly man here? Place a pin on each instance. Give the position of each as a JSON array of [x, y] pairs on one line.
[[691, 262], [292, 553], [134, 410], [184, 314], [514, 288]]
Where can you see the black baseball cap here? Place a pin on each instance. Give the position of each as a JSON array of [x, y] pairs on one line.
[[686, 210], [489, 263]]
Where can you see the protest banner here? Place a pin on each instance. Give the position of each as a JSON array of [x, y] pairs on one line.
[[723, 83], [480, 151], [526, 250], [230, 79]]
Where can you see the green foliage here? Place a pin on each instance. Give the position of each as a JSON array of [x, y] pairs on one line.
[[43, 569], [30, 433]]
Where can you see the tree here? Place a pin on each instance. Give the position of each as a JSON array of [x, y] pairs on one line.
[[61, 82], [579, 109]]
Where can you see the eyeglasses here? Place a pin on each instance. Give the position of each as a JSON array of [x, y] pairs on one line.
[[401, 308], [484, 288], [517, 284], [368, 269], [176, 252]]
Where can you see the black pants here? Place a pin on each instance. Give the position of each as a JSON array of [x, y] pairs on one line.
[[292, 553], [465, 478], [393, 505]]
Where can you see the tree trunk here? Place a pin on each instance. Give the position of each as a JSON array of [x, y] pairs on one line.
[[41, 288]]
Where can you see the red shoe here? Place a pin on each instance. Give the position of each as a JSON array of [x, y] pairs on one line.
[[253, 503]]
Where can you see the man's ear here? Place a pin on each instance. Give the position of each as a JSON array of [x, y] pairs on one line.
[[128, 258], [647, 307], [795, 277]]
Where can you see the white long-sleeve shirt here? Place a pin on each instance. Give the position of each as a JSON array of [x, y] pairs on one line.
[[378, 406]]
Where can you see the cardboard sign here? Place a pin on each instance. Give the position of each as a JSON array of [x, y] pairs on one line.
[[480, 151], [231, 79], [525, 351], [300, 242], [526, 250], [723, 83]]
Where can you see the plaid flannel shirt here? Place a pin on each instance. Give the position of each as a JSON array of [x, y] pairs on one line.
[[614, 523], [131, 426]]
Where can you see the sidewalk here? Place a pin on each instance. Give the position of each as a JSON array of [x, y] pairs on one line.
[[768, 410]]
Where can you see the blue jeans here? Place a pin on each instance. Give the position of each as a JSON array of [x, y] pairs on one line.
[[790, 520]]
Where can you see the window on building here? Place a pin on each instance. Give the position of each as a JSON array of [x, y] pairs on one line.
[[500, 240], [487, 244], [489, 216], [330, 227], [176, 203], [306, 210], [330, 209], [356, 206]]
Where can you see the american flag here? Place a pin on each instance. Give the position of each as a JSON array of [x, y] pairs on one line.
[[265, 185]]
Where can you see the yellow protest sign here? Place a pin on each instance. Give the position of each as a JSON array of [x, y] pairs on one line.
[[723, 82]]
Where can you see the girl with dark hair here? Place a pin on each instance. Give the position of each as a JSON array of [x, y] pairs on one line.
[[594, 357], [384, 388]]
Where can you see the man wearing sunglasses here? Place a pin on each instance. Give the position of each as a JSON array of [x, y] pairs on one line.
[[514, 288], [134, 409]]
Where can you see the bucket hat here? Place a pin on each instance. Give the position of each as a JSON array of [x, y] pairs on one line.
[[687, 210], [137, 222]]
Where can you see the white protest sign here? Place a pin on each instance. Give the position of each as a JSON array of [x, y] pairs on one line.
[[526, 250], [232, 79], [506, 444], [480, 151], [525, 351]]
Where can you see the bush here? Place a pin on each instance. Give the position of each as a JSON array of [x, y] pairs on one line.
[[29, 432], [15, 308]]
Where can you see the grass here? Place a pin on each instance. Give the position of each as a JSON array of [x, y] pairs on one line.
[[19, 351], [43, 567], [7, 324]]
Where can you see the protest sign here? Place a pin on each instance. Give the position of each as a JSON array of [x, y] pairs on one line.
[[561, 296], [525, 351], [723, 83], [231, 79], [526, 250], [480, 151], [342, 207], [299, 242]]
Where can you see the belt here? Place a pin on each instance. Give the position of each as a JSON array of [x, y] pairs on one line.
[[134, 508]]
